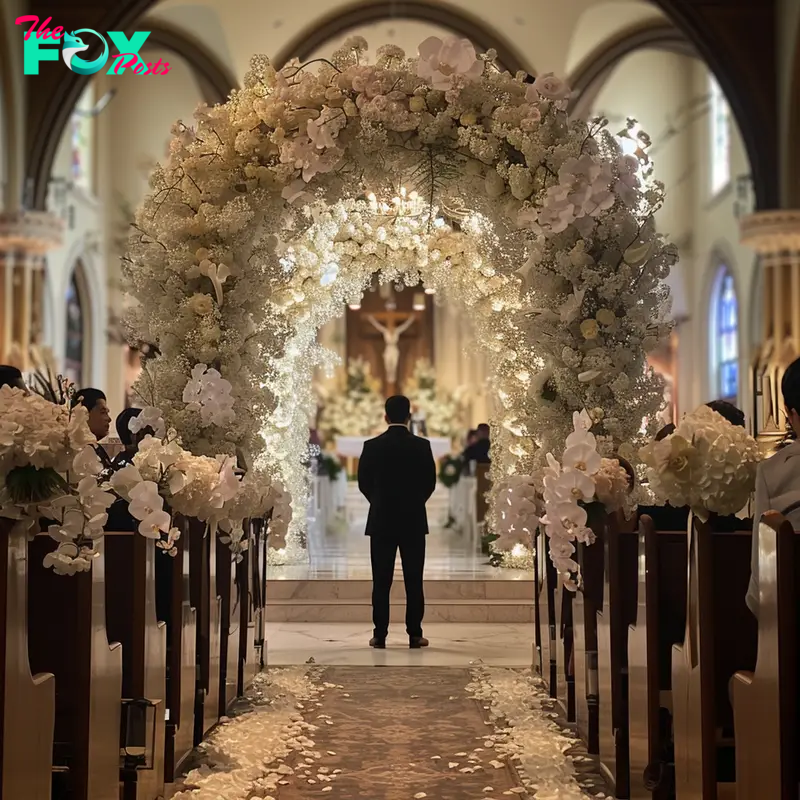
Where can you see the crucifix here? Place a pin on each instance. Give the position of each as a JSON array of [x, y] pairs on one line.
[[391, 332]]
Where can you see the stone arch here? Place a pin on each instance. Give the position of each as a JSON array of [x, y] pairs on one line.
[[323, 30], [214, 78], [594, 70]]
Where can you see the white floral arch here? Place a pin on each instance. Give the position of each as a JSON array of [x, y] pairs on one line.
[[283, 202]]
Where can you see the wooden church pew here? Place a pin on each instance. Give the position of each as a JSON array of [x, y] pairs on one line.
[[27, 702], [132, 620], [181, 619], [229, 591], [67, 637], [587, 602], [258, 561], [204, 597], [565, 680], [545, 604], [247, 580], [765, 702], [618, 611], [660, 623], [720, 639]]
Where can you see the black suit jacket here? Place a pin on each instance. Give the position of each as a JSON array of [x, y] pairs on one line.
[[397, 474]]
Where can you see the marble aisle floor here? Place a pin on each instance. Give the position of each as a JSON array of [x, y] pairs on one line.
[[343, 554], [452, 645]]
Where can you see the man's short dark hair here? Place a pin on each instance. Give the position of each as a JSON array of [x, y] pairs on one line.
[[790, 386], [88, 397], [667, 430], [728, 410], [398, 409], [10, 376], [123, 422], [484, 429]]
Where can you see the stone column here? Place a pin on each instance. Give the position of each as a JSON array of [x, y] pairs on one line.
[[775, 236], [25, 237]]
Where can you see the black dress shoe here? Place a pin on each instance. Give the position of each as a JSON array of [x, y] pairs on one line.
[[378, 644], [415, 642]]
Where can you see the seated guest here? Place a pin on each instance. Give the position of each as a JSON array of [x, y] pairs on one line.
[[12, 377], [666, 517], [478, 451], [129, 439], [778, 478], [728, 410], [99, 417]]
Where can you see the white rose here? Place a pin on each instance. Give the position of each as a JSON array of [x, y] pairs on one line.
[[201, 304], [551, 88]]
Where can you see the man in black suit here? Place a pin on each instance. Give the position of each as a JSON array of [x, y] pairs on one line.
[[397, 475]]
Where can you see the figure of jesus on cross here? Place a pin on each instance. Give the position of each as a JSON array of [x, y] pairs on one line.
[[391, 333]]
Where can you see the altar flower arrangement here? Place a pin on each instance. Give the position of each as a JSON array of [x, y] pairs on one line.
[[355, 406], [707, 464], [440, 408], [582, 477]]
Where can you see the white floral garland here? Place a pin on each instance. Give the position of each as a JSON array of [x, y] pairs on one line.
[[492, 152], [582, 477]]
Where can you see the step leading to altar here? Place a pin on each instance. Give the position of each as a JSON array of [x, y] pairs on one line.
[[445, 600]]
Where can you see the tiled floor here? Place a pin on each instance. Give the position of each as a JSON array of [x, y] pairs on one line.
[[452, 645]]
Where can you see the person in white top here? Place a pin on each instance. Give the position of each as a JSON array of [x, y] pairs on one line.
[[778, 478]]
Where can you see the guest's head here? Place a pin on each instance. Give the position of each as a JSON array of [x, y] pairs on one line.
[[667, 430], [472, 436], [728, 410], [483, 431], [398, 410], [790, 387], [11, 376], [94, 401], [126, 435]]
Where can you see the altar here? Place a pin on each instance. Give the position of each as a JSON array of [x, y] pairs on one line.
[[351, 446]]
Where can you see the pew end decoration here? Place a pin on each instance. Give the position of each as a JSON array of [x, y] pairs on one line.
[[49, 470], [450, 471], [582, 477], [277, 206], [211, 490], [707, 464]]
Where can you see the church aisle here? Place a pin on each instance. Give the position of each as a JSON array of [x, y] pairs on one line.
[[391, 733]]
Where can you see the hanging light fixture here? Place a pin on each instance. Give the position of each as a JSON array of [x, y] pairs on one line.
[[419, 301], [430, 290]]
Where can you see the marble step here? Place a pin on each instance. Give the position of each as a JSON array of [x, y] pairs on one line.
[[445, 600], [497, 611], [327, 590]]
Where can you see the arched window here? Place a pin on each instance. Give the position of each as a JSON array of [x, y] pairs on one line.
[[720, 121], [725, 337], [74, 367]]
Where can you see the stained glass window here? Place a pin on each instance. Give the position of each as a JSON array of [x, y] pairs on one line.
[[720, 117], [726, 337], [73, 361]]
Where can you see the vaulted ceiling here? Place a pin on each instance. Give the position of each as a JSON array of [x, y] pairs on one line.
[[577, 38]]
